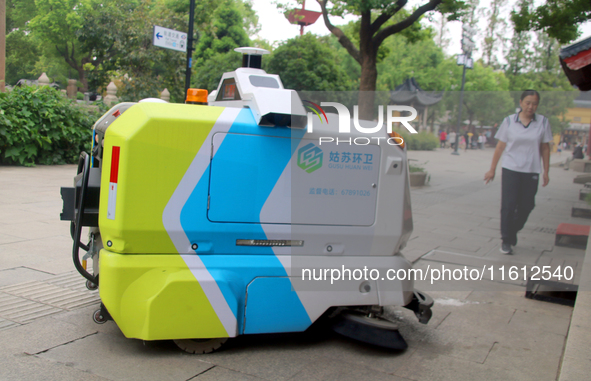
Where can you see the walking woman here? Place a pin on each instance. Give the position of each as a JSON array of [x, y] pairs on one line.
[[523, 141]]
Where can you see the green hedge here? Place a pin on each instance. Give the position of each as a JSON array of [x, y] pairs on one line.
[[38, 125], [423, 141]]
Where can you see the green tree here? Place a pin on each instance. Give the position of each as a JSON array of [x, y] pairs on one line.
[[559, 18], [21, 55], [208, 73], [305, 63], [486, 97], [442, 40], [144, 69], [215, 52], [226, 34], [494, 37], [107, 34], [27, 55], [18, 13], [423, 60], [83, 33], [204, 13], [520, 51], [374, 29], [250, 19], [56, 24], [96, 41], [519, 54], [55, 68], [21, 48], [545, 57], [100, 38]]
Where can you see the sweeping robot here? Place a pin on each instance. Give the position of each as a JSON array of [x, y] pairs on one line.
[[230, 215]]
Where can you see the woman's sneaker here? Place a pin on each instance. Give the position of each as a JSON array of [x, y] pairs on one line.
[[506, 248]]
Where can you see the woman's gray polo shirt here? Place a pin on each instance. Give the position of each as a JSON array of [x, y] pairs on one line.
[[522, 153]]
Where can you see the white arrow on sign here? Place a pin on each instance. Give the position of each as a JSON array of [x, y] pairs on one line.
[[169, 39]]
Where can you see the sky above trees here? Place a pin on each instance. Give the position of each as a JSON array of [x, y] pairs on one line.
[[275, 28]]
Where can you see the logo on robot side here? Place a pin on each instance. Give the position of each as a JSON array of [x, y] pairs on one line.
[[310, 158]]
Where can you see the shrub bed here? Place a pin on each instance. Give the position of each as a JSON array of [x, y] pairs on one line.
[[423, 141], [38, 125]]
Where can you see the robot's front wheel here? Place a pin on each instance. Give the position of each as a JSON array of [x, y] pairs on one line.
[[91, 286], [200, 346], [99, 317]]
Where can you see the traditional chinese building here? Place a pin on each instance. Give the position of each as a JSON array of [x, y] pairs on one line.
[[576, 63], [410, 94]]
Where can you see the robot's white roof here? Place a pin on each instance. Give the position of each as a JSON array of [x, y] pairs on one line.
[[249, 50]]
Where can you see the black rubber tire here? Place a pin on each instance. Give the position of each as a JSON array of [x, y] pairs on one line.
[[200, 346], [98, 317], [91, 286]]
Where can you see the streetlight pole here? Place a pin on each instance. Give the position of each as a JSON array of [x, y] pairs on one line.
[[466, 61], [190, 46], [455, 152]]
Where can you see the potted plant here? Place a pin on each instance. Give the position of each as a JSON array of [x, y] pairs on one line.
[[417, 174]]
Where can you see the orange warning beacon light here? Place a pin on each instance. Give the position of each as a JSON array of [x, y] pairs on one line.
[[196, 96]]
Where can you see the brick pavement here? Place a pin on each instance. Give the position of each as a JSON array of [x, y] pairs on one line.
[[483, 330]]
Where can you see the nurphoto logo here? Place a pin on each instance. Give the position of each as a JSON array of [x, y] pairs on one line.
[[345, 123]]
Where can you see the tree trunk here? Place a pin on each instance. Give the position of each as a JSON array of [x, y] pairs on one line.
[[70, 60], [367, 86], [82, 78]]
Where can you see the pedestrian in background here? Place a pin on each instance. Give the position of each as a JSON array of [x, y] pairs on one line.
[[481, 141], [523, 141], [452, 139], [442, 139], [577, 154], [578, 151]]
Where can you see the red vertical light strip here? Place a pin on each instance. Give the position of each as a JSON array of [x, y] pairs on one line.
[[112, 204], [115, 164]]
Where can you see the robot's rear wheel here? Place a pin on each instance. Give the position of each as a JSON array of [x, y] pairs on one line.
[[91, 286], [99, 317]]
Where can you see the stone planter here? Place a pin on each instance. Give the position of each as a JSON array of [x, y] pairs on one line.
[[580, 165], [417, 179]]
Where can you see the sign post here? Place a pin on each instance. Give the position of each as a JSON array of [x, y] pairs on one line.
[[169, 39], [179, 41], [190, 50], [466, 61]]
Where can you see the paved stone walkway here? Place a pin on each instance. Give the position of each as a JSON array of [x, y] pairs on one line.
[[481, 330]]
